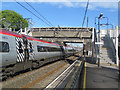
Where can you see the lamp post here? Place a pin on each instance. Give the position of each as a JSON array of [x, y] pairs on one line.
[[99, 38], [107, 21], [102, 24], [95, 22], [112, 26]]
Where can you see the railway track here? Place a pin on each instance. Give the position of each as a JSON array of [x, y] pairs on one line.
[[38, 78], [70, 77]]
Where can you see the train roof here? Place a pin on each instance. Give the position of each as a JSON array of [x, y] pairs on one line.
[[5, 32], [2, 31], [35, 39], [9, 33]]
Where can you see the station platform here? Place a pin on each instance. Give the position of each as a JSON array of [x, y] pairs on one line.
[[101, 77], [107, 75]]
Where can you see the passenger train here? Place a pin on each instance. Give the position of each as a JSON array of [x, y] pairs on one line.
[[21, 52]]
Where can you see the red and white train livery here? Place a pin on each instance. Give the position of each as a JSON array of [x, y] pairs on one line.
[[20, 52]]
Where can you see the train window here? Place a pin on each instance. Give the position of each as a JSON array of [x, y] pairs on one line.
[[41, 49], [70, 50], [47, 49], [4, 47], [53, 49], [38, 48], [30, 45], [20, 45]]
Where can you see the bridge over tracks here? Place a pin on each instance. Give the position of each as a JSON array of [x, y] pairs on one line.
[[87, 36]]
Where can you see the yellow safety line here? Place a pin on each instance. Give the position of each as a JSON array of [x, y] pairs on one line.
[[84, 84], [108, 64]]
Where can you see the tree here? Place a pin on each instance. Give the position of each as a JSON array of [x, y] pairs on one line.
[[11, 19]]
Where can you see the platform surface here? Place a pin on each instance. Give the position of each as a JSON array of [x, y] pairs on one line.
[[107, 75], [101, 77]]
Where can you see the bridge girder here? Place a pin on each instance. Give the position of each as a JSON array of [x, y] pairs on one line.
[[62, 32]]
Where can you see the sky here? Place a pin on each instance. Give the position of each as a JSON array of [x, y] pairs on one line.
[[66, 13]]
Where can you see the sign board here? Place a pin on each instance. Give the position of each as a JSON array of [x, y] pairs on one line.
[[99, 43]]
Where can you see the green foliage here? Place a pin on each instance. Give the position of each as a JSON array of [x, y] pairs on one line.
[[13, 20]]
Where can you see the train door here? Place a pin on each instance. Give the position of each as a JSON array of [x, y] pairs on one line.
[[31, 50], [23, 54], [20, 49], [63, 51], [25, 42]]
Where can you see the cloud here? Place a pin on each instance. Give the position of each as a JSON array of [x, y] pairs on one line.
[[69, 4], [61, 0], [106, 4], [93, 4]]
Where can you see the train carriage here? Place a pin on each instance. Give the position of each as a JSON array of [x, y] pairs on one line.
[[21, 52], [43, 51]]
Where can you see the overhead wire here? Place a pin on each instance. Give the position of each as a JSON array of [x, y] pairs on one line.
[[33, 13], [85, 13], [43, 17], [84, 17], [39, 13]]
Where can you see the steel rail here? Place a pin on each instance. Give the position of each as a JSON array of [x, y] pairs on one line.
[[28, 85], [60, 75]]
